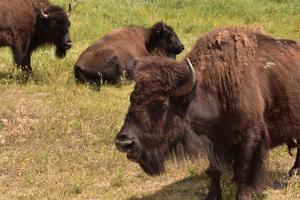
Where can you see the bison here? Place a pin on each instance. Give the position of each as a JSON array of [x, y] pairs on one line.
[[115, 53], [26, 25], [238, 97]]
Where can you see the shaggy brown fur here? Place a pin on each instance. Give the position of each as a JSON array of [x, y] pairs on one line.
[[23, 28], [115, 53], [245, 102]]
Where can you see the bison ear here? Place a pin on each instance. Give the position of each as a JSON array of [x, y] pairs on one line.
[[159, 27], [156, 33]]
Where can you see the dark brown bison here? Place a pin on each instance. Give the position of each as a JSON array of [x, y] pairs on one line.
[[26, 25], [242, 99], [115, 53]]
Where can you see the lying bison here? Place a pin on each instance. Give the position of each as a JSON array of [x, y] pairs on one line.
[[114, 54], [26, 25], [242, 99]]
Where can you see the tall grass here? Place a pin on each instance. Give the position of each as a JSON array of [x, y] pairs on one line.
[[56, 137]]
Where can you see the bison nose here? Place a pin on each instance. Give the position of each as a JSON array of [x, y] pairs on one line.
[[182, 47], [67, 41], [68, 44], [124, 143], [179, 49]]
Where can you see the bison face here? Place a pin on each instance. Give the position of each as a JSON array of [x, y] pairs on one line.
[[55, 28], [164, 38], [142, 136], [154, 123]]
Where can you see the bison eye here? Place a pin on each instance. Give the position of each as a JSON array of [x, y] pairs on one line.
[[158, 108], [164, 107], [53, 23], [156, 111], [169, 38]]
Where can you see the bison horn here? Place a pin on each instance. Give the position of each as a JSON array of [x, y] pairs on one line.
[[44, 15], [189, 85], [69, 10], [163, 25]]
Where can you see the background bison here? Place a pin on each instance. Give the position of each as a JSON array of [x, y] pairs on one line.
[[27, 25], [115, 53], [242, 99]]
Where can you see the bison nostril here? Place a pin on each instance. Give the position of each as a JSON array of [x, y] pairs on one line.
[[122, 137], [126, 143], [68, 43], [123, 143]]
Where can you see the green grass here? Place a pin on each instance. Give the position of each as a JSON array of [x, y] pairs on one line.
[[56, 138]]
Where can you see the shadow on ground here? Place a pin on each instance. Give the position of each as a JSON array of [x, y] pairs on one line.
[[186, 189], [196, 187]]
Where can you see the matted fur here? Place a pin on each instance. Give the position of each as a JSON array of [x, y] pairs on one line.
[[243, 104]]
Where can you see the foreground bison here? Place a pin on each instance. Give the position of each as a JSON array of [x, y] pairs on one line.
[[26, 25], [242, 99], [115, 53]]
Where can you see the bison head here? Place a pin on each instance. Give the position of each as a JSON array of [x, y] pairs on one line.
[[163, 37], [54, 28], [154, 126]]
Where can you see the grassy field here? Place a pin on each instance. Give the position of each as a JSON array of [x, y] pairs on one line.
[[56, 137]]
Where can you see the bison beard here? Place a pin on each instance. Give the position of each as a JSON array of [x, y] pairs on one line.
[[152, 163], [245, 102], [185, 147], [60, 52]]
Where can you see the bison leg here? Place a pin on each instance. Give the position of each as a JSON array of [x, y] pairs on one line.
[[209, 169], [26, 64], [22, 55], [249, 163], [215, 185], [116, 80], [295, 169], [86, 76]]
